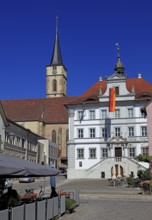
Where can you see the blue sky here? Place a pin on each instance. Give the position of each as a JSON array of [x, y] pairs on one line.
[[88, 31]]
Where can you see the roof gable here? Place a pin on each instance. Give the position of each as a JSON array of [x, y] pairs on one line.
[[116, 76], [139, 85]]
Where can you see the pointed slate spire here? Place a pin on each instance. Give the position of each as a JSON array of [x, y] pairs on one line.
[[119, 68], [56, 56]]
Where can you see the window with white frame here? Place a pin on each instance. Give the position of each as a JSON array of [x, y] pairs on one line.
[[104, 132], [80, 163], [145, 151], [80, 153], [92, 133], [130, 113], [117, 113], [80, 133], [117, 132], [141, 113], [132, 152], [104, 114], [80, 115], [104, 152], [143, 131], [92, 114], [131, 131], [92, 153]]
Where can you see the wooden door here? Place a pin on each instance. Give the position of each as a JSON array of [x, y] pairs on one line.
[[118, 152]]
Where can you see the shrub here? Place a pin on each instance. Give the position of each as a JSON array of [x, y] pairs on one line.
[[130, 181], [144, 175], [70, 204], [144, 158]]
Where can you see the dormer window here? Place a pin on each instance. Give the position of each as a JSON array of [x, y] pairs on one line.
[[117, 90]]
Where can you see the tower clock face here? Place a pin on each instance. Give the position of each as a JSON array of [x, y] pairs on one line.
[[54, 72]]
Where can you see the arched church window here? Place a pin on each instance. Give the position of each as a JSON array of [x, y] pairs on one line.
[[54, 85], [54, 136], [54, 67]]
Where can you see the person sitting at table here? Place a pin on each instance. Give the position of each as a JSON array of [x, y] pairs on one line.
[[14, 199], [5, 197]]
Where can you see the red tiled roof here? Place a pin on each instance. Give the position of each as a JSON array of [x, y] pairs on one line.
[[48, 110], [53, 110], [95, 89], [140, 85]]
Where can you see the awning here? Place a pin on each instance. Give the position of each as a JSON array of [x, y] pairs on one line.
[[11, 166]]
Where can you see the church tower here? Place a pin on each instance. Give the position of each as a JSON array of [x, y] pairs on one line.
[[56, 75]]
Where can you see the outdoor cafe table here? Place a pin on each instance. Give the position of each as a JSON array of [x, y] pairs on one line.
[[29, 198]]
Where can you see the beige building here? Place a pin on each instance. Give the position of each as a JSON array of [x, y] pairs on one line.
[[46, 117]]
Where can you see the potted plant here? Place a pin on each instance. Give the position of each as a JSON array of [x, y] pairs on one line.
[[70, 205]]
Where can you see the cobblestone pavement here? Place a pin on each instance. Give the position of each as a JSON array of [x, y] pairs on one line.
[[98, 201]]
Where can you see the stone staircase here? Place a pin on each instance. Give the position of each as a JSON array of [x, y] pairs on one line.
[[102, 169]]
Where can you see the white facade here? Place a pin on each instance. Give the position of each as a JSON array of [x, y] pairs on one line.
[[103, 144]]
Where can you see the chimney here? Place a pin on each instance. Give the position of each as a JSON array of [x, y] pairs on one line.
[[139, 75], [100, 78]]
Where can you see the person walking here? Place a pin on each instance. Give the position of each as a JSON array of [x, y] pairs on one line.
[[53, 183]]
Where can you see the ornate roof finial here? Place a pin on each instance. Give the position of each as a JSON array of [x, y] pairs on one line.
[[118, 49], [133, 89], [119, 68], [57, 24], [100, 91]]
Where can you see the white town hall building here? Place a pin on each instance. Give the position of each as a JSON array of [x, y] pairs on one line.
[[103, 144]]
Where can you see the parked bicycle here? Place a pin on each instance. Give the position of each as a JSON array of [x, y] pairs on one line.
[[42, 194]]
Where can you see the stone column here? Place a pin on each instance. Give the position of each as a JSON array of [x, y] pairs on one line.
[[114, 172]]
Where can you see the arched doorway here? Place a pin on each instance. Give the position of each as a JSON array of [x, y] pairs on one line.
[[117, 171]]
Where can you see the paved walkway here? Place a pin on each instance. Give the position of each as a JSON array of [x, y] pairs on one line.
[[98, 201]]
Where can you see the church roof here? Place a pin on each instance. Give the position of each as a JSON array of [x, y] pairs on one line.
[[47, 110]]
